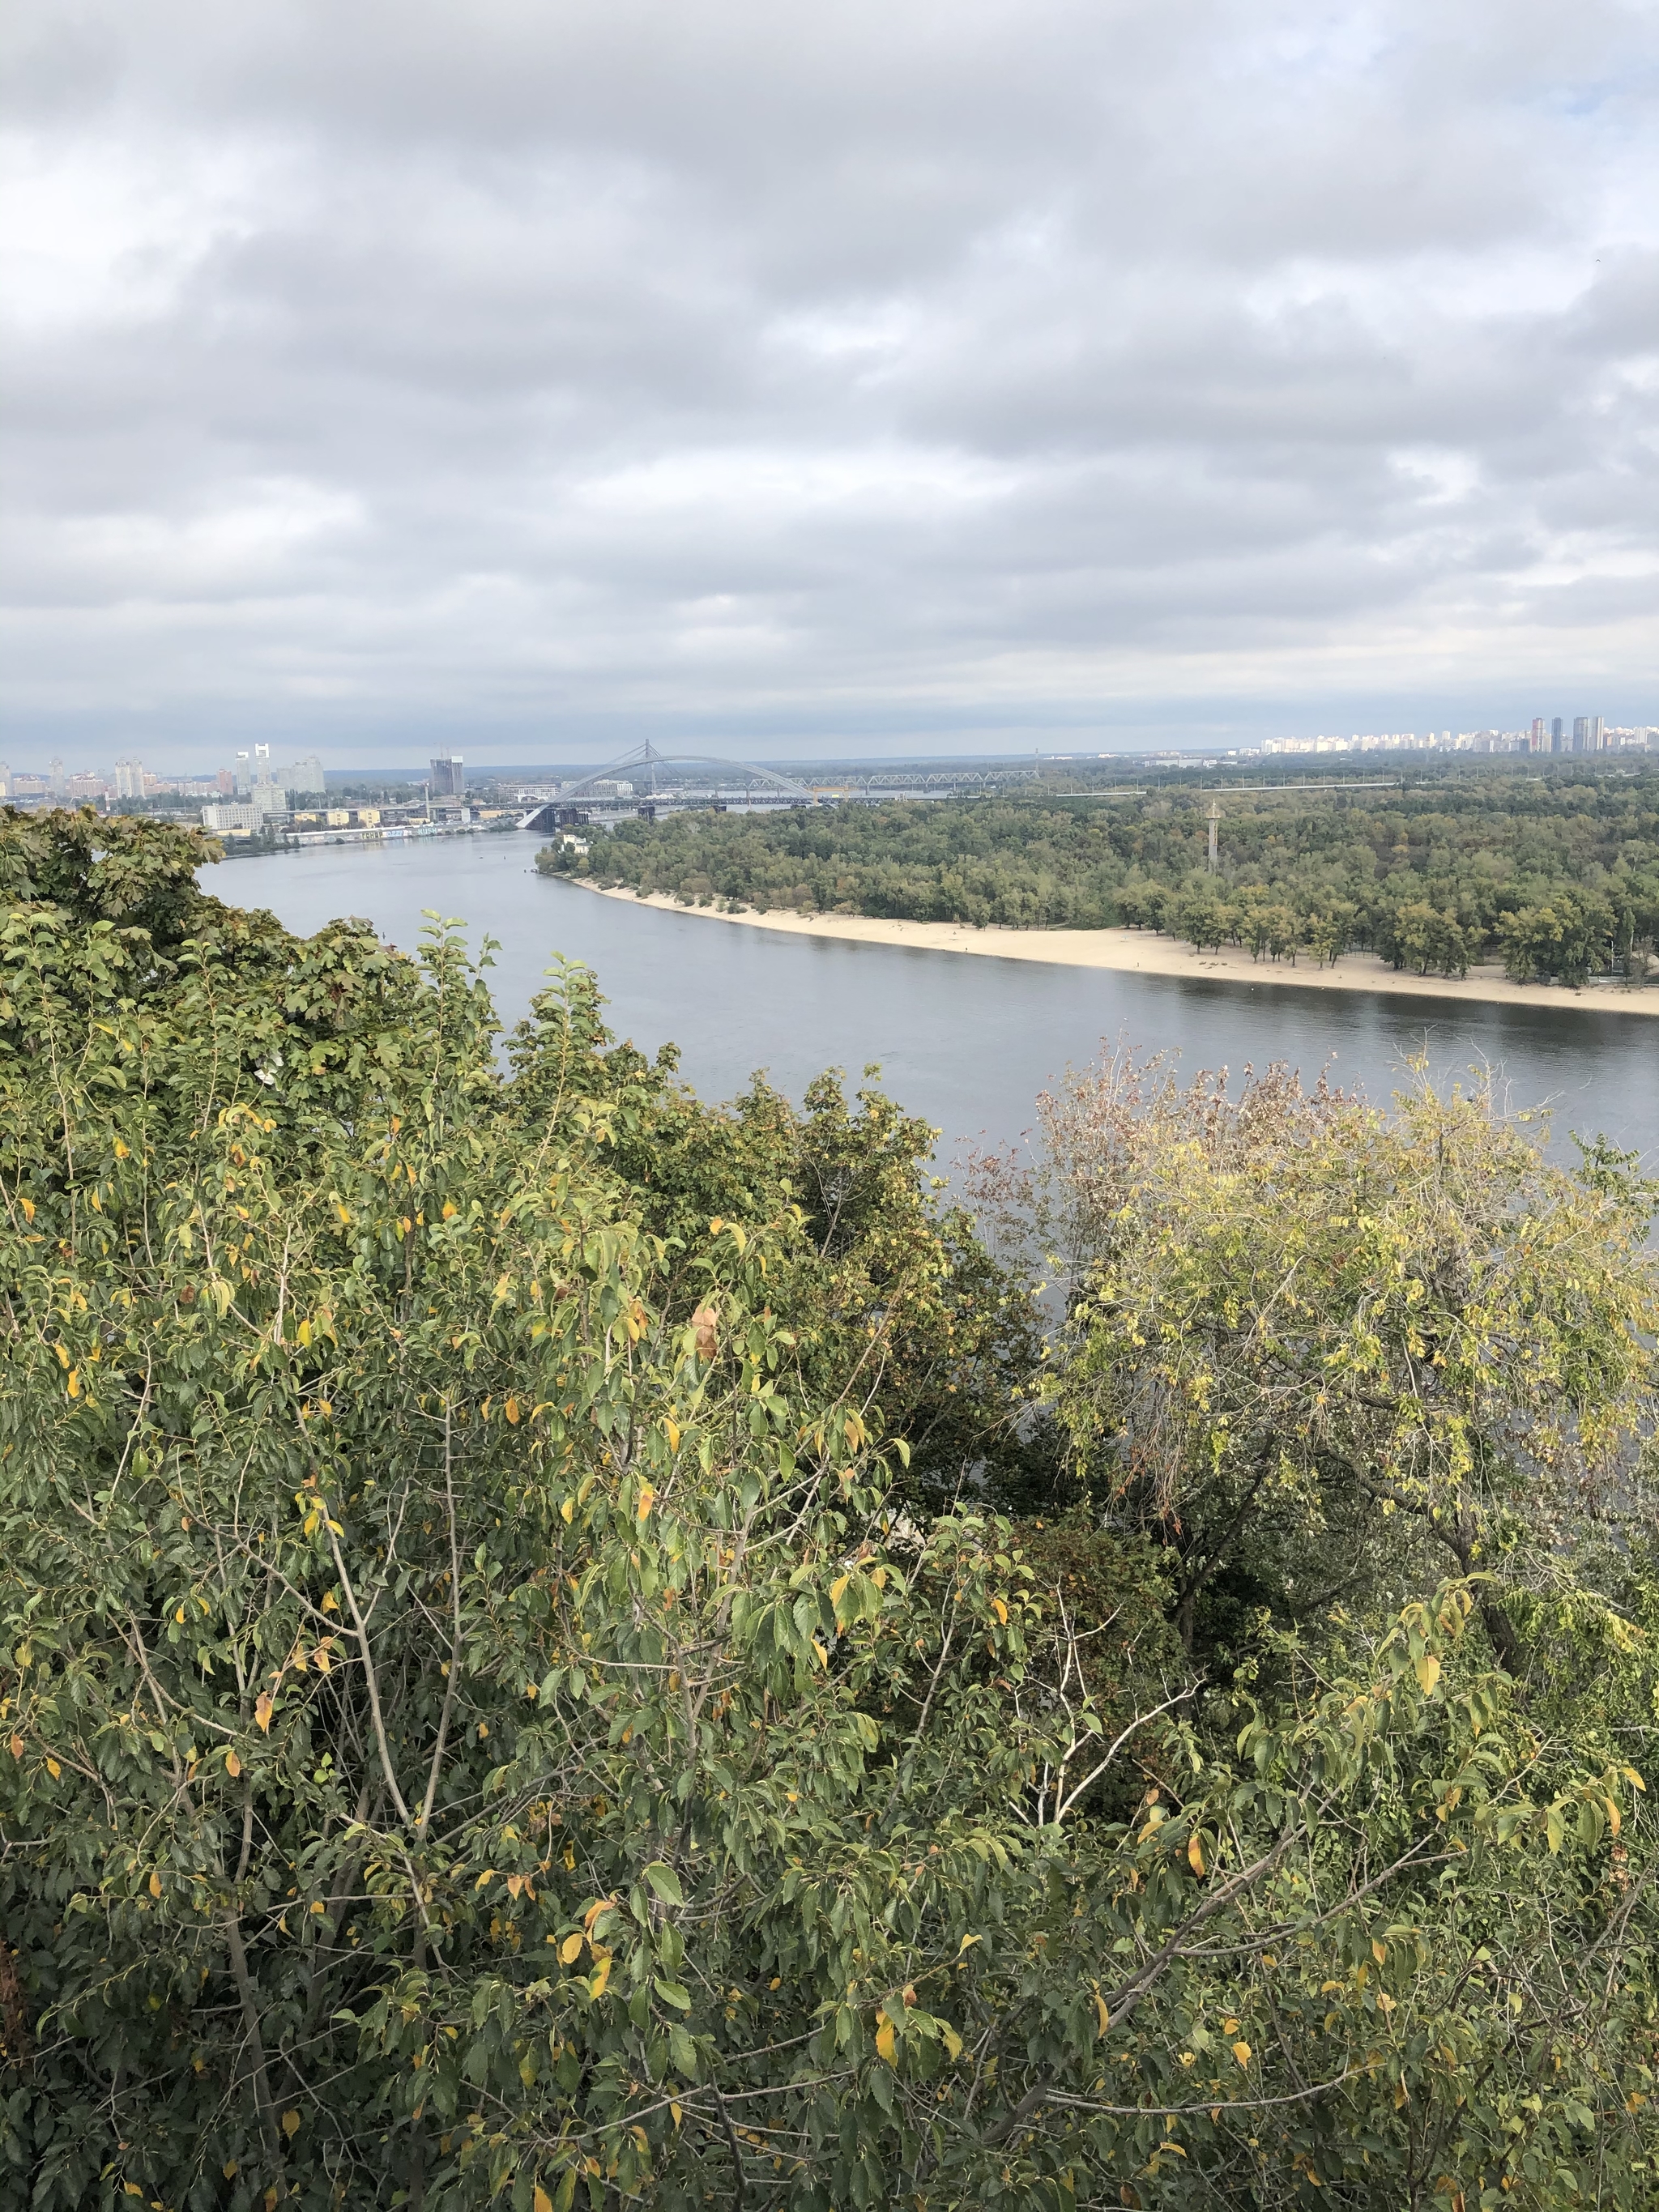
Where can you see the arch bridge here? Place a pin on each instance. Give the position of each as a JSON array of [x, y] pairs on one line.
[[582, 792]]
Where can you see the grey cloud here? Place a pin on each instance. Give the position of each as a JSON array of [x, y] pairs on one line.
[[555, 375]]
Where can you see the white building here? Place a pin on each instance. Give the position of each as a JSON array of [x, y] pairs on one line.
[[221, 818], [129, 779], [305, 779]]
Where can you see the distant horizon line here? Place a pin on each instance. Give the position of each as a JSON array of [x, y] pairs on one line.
[[1280, 749]]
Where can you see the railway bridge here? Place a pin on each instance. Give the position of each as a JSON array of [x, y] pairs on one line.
[[579, 800]]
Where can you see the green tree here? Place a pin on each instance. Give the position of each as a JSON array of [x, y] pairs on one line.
[[1302, 1326]]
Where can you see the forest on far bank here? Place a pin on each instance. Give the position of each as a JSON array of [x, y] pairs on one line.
[[1556, 876]]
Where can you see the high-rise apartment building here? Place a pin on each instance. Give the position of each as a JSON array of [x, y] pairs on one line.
[[1580, 733], [1598, 734], [56, 782], [1538, 733], [1557, 742], [129, 779], [305, 779], [448, 777]]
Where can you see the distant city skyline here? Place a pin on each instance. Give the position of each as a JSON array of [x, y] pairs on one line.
[[254, 772]]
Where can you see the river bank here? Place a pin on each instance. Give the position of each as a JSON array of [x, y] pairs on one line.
[[1136, 951]]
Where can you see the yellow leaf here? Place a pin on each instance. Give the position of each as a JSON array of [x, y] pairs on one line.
[[1242, 2052], [511, 1409], [647, 1499], [1195, 1854], [570, 1950], [952, 2041], [837, 1587], [884, 2041], [822, 1655], [180, 1616], [1001, 1610], [232, 1764], [154, 1884], [17, 1747], [1379, 1952], [1428, 1672], [540, 2200], [54, 1769], [716, 1226], [596, 1987], [75, 1382], [676, 2111], [291, 2124], [1101, 2014], [672, 1431], [262, 1711], [1614, 1821]]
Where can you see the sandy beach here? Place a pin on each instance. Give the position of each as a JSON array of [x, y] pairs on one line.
[[1137, 952]]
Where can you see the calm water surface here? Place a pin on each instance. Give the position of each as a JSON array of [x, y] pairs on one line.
[[968, 1043]]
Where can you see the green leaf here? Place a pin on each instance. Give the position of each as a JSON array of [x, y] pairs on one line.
[[665, 1883]]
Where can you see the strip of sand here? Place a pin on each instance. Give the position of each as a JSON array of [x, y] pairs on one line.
[[1134, 952]]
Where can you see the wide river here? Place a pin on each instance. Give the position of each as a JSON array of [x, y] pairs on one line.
[[968, 1043]]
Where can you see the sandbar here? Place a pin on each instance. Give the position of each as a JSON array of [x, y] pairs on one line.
[[1140, 952]]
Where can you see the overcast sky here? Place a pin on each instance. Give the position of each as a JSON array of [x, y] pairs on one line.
[[881, 377]]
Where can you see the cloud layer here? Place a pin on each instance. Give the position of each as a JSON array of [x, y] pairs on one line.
[[875, 378]]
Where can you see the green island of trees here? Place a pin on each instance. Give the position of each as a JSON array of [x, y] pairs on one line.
[[569, 1646], [1556, 876]]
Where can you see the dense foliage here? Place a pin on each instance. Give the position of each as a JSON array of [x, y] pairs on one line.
[[1557, 876], [516, 1691]]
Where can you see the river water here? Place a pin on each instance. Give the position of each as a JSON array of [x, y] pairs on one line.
[[967, 1042]]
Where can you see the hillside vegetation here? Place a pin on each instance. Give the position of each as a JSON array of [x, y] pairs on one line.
[[567, 1645], [1557, 876]]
